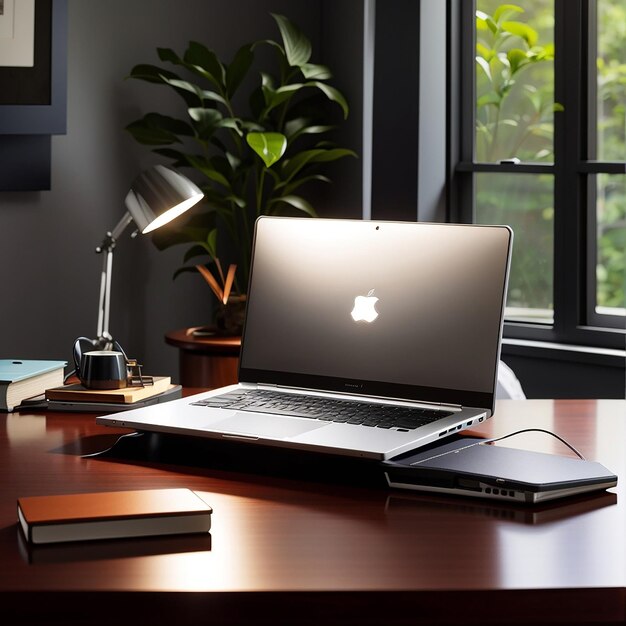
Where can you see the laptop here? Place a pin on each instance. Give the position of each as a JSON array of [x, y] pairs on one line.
[[361, 338], [471, 467]]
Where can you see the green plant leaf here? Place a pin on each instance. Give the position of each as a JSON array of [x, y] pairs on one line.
[[506, 8], [485, 67], [209, 120], [517, 58], [177, 156], [211, 241], [317, 155], [282, 94], [491, 97], [167, 237], [184, 270], [332, 94], [317, 72], [267, 88], [151, 73], [204, 165], [195, 251], [528, 34], [485, 22], [288, 188], [201, 94], [167, 54], [484, 52], [157, 129], [154, 74], [269, 146], [297, 45], [238, 68], [310, 130], [295, 201], [200, 56]]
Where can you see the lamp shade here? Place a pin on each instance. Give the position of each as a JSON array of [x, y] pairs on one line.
[[159, 195]]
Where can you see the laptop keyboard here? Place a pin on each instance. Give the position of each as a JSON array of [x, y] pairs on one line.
[[326, 409]]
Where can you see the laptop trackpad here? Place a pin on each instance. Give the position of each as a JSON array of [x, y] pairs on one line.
[[269, 426]]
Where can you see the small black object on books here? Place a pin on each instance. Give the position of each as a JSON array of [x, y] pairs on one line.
[[106, 369], [471, 467]]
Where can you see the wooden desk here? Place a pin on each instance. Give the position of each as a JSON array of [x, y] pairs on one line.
[[205, 361], [288, 549]]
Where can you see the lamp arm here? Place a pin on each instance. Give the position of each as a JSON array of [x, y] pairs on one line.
[[104, 303], [104, 339]]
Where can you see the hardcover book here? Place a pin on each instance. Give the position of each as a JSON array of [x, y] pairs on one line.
[[114, 514], [21, 379]]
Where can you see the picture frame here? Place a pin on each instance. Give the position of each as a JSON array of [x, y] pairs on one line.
[[17, 33], [33, 103]]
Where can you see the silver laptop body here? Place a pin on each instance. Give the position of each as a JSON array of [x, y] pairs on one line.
[[398, 315]]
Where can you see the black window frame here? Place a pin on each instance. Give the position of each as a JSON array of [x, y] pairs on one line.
[[575, 319]]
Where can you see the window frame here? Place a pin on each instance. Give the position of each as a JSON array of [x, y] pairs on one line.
[[575, 319]]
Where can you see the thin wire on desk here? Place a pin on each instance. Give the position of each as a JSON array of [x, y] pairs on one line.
[[94, 454], [538, 430], [488, 441]]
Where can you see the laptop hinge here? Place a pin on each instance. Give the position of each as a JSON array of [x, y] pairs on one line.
[[438, 405]]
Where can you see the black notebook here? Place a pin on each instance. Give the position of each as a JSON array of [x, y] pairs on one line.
[[472, 467]]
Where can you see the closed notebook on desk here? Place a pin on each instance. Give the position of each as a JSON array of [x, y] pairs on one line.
[[114, 514], [471, 467]]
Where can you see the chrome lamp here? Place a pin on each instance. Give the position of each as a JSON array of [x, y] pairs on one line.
[[157, 196]]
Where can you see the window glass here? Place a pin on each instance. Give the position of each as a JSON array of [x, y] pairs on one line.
[[611, 255], [514, 81], [525, 202], [611, 80]]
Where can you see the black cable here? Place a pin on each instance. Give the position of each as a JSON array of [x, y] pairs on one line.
[[489, 441], [94, 454], [537, 430]]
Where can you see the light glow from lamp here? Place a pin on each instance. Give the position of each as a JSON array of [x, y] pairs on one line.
[[170, 215]]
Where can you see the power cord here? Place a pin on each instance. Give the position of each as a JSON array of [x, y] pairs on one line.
[[95, 454], [490, 441]]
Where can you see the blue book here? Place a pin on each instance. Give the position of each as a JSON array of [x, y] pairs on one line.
[[21, 379]]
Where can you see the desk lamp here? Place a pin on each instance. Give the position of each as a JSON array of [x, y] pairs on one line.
[[156, 197]]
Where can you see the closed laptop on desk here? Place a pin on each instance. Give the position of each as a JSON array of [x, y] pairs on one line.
[[361, 338], [474, 468]]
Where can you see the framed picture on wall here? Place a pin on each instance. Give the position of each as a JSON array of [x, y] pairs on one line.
[[33, 98], [17, 33]]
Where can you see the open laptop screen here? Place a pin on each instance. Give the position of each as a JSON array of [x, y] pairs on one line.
[[408, 310]]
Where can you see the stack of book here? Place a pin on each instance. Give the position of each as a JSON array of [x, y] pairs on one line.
[[76, 397]]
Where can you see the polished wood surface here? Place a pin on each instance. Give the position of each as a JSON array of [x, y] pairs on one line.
[[205, 361], [310, 539]]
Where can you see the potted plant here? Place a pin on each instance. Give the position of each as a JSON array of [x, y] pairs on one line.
[[254, 156]]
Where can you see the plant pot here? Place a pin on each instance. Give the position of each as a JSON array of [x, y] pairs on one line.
[[230, 316]]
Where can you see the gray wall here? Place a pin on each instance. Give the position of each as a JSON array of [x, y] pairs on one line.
[[48, 270]]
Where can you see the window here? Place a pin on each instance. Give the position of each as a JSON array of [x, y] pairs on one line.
[[542, 147]]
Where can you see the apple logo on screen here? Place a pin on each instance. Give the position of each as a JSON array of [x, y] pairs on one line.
[[365, 308]]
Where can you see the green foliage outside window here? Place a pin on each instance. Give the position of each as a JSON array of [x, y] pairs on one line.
[[514, 82], [611, 133], [515, 119]]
